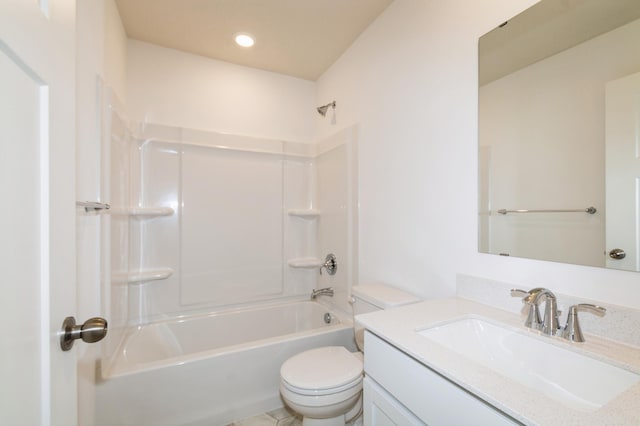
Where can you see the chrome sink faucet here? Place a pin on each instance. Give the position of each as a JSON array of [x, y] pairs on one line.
[[328, 291], [549, 324]]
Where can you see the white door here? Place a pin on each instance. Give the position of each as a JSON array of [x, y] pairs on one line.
[[37, 210], [623, 171]]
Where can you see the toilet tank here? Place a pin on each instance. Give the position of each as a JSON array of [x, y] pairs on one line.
[[376, 297]]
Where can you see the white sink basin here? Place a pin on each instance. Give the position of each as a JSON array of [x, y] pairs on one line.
[[575, 380]]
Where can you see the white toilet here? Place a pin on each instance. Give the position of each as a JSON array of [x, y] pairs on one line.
[[324, 385]]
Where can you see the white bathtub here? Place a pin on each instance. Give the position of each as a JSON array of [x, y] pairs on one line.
[[211, 369]]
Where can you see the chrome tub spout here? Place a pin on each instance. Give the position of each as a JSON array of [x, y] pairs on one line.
[[326, 291]]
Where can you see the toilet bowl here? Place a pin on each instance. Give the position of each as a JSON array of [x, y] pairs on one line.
[[324, 385]]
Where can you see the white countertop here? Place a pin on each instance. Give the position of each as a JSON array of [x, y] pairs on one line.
[[398, 327]]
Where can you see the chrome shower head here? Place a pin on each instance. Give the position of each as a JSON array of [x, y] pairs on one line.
[[322, 110]]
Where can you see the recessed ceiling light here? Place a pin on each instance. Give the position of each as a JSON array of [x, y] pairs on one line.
[[244, 39]]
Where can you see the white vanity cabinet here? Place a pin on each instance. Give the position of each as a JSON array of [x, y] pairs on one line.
[[398, 390], [382, 409]]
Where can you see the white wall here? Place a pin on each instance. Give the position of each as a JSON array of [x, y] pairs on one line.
[[410, 81], [180, 89], [115, 51]]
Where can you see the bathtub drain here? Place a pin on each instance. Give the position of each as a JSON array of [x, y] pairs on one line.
[[328, 318]]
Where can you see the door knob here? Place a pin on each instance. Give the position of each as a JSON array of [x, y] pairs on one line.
[[93, 330], [617, 254]]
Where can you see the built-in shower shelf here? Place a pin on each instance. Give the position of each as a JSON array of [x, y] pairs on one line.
[[150, 275], [305, 262], [149, 212], [304, 213]]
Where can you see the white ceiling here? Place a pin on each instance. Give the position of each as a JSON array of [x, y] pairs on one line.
[[301, 38]]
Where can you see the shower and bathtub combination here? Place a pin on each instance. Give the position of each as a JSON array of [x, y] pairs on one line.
[[211, 251]]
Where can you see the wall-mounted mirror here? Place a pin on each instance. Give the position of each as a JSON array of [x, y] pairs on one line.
[[559, 134]]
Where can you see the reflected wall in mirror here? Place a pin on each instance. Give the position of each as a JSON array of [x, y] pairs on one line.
[[559, 129]]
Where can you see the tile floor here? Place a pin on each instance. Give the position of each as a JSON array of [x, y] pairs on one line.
[[279, 417]]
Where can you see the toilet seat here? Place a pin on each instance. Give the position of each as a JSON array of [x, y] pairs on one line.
[[322, 371], [321, 392]]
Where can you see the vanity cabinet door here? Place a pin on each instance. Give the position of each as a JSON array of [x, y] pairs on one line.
[[382, 409], [429, 396]]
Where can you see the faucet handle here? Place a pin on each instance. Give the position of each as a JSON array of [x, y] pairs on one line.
[[572, 330], [516, 292], [330, 264], [533, 311], [594, 309]]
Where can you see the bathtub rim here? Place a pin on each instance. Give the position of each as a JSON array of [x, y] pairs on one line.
[[107, 368]]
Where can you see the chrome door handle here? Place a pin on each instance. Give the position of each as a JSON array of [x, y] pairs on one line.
[[93, 330], [617, 254]]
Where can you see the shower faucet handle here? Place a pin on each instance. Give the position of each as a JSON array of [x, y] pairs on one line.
[[330, 264]]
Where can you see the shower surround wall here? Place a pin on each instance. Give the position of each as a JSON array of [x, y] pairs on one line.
[[188, 91], [117, 151], [224, 221]]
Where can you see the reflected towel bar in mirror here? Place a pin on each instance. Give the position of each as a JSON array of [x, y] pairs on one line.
[[92, 206], [589, 210]]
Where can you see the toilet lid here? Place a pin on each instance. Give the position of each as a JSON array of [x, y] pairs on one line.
[[322, 368]]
